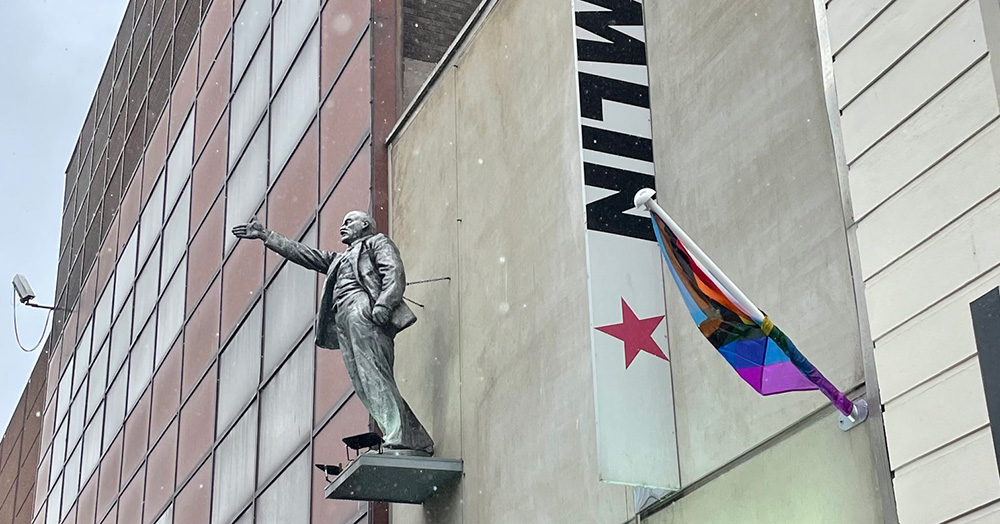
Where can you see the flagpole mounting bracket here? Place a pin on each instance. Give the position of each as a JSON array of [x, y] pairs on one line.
[[857, 416]]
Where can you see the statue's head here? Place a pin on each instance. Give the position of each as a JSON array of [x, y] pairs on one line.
[[357, 224]]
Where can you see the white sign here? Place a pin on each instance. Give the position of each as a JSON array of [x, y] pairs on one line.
[[636, 434]]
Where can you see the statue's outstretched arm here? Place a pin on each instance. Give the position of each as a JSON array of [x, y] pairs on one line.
[[297, 252]]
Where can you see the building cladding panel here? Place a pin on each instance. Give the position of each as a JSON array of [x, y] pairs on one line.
[[162, 304]]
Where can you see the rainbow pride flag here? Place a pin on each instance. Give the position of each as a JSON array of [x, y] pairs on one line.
[[759, 352]]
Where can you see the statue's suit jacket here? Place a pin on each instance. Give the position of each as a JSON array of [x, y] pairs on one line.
[[378, 267]]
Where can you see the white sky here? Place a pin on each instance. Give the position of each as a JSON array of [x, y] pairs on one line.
[[52, 54]]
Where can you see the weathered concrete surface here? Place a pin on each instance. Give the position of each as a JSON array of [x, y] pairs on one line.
[[487, 190], [745, 163], [818, 474]]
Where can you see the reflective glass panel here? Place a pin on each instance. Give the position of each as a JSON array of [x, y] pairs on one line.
[[151, 220], [114, 412], [287, 499], [295, 104], [147, 289], [291, 25], [286, 314], [170, 314], [286, 410], [102, 315], [247, 185], [234, 484], [141, 364], [125, 271], [239, 368], [250, 23], [249, 101], [175, 234], [98, 379], [179, 162], [121, 337], [92, 445]]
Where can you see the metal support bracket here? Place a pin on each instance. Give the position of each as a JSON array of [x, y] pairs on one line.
[[857, 416]]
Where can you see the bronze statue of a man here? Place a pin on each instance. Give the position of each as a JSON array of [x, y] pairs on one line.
[[360, 313]]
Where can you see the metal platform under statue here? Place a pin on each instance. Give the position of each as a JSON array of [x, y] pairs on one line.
[[386, 476]]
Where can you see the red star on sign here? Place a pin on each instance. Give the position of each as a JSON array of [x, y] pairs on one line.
[[636, 333]]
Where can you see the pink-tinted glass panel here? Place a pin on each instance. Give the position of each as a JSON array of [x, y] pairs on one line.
[[346, 116], [130, 503], [294, 196], [160, 474], [194, 502], [201, 339], [208, 176], [332, 382], [213, 30], [328, 448], [87, 503], [183, 96], [343, 22], [205, 253], [106, 260], [156, 154], [166, 390], [213, 97], [111, 467], [112, 517], [136, 436], [243, 277], [353, 192], [197, 427]]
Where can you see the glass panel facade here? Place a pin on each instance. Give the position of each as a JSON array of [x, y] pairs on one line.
[[286, 500], [295, 104], [233, 485], [249, 25], [136, 417], [151, 220], [125, 270], [147, 288], [179, 162], [249, 101], [170, 314], [141, 363], [239, 368], [286, 315], [285, 411], [175, 234], [291, 25], [247, 185]]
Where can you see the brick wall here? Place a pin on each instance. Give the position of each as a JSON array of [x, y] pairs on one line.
[[430, 26]]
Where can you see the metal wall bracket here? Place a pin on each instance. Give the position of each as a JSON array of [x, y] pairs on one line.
[[857, 416]]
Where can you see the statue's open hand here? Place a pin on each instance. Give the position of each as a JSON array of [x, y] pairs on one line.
[[380, 315], [252, 229]]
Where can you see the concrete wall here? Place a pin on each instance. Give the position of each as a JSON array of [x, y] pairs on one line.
[[486, 189], [812, 475], [916, 87], [745, 163]]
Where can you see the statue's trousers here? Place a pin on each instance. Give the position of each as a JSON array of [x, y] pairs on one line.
[[368, 355]]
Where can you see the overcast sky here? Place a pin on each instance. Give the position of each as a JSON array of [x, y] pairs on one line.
[[52, 53]]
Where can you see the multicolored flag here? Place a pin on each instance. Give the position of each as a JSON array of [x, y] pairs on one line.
[[759, 352]]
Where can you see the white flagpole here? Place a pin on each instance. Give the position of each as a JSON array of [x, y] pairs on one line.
[[644, 199]]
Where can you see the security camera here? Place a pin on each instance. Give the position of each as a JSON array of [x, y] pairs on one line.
[[23, 288]]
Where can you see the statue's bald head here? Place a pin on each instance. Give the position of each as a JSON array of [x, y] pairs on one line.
[[357, 224]]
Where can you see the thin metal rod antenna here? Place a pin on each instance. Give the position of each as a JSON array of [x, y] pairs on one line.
[[428, 280], [17, 335], [414, 302]]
